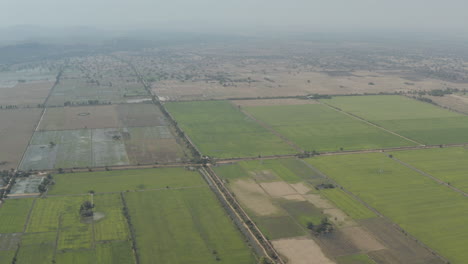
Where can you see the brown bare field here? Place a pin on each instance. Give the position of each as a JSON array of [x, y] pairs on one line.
[[25, 94], [102, 116], [318, 201], [148, 150], [400, 248], [253, 197], [16, 129], [80, 117], [301, 251], [339, 218], [277, 189], [139, 115], [362, 239], [300, 187], [452, 101], [297, 83], [267, 102]]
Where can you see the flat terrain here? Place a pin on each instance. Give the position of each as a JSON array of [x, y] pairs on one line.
[[413, 201], [103, 116], [280, 196], [16, 128], [447, 164], [115, 181], [318, 127], [416, 120], [456, 102], [184, 226], [25, 94], [96, 78], [102, 147], [220, 130]]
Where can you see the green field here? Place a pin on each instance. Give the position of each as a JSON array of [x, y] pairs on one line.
[[116, 181], [355, 259], [348, 204], [184, 226], [321, 128], [220, 130], [416, 120], [447, 164], [413, 201], [13, 215], [56, 231]]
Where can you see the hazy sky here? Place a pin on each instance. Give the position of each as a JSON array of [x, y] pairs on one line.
[[313, 15]]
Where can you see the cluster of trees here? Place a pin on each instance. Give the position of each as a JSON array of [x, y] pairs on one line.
[[324, 227], [9, 107], [324, 186], [89, 102], [86, 209], [46, 182]]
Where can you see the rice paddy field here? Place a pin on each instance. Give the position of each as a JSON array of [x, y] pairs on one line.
[[419, 121], [220, 130], [447, 164], [321, 128], [282, 199], [172, 214], [413, 201], [96, 136]]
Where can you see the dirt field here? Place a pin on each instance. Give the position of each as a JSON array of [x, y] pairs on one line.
[[301, 251], [400, 248], [362, 239], [266, 102], [25, 94], [452, 101], [277, 189], [16, 128], [254, 198], [80, 117], [102, 116], [287, 83]]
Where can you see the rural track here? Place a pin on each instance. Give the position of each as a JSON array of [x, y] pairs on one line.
[[371, 124], [439, 181]]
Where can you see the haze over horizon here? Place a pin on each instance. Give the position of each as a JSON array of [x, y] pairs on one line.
[[250, 16]]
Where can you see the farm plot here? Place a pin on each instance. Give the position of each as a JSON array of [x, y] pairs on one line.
[[184, 226], [25, 94], [115, 181], [16, 129], [103, 116], [283, 206], [56, 232], [102, 147], [13, 215], [447, 164], [222, 131], [318, 127], [279, 195], [422, 122], [411, 200]]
